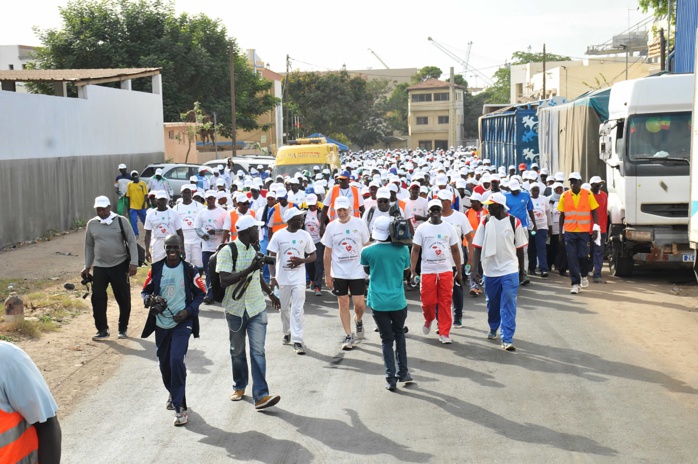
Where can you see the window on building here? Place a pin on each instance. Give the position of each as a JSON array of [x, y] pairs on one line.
[[422, 120], [443, 119], [440, 144], [24, 66], [421, 97], [519, 90], [425, 144], [170, 134], [12, 67], [441, 96]]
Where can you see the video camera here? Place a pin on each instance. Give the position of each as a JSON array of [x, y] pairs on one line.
[[156, 303], [269, 260]]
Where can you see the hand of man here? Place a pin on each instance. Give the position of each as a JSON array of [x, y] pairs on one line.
[[459, 278], [329, 282], [413, 276], [205, 237], [275, 303], [85, 272], [180, 316], [295, 261], [148, 257], [594, 235], [132, 269]]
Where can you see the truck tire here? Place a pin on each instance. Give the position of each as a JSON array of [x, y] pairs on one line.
[[619, 265]]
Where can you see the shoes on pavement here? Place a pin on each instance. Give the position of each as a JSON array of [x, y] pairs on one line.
[[563, 273], [168, 405], [575, 289], [544, 274], [598, 280], [445, 339], [181, 417], [359, 329], [101, 335], [122, 335], [298, 348], [426, 328], [376, 329], [207, 300], [457, 324], [286, 340], [267, 402], [405, 329], [407, 378], [348, 343], [525, 281], [475, 292], [508, 346], [317, 291], [390, 385], [237, 395], [492, 334], [585, 282]]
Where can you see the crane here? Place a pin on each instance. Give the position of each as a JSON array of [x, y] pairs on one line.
[[379, 59], [465, 63]]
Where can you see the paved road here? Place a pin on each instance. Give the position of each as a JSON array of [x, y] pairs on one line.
[[578, 388]]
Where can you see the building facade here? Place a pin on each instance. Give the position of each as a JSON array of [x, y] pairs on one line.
[[15, 58], [436, 114]]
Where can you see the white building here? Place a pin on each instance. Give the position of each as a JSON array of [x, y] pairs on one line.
[[15, 58]]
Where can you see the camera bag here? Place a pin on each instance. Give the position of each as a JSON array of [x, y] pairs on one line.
[[216, 287]]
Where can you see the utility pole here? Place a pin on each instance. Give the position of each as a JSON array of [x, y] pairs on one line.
[[215, 124], [668, 35], [543, 73], [283, 97], [452, 110], [232, 99]]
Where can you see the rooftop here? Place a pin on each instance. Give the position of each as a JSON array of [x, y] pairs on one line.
[[77, 76], [430, 84]]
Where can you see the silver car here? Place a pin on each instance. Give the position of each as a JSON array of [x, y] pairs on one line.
[[176, 174]]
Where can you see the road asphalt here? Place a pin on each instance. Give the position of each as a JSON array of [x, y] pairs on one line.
[[573, 391]]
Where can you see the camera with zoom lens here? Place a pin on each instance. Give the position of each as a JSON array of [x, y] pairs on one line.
[[265, 259], [87, 280], [156, 303]]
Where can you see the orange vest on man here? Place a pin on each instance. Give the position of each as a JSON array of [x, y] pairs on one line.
[[278, 222], [577, 218], [335, 194], [18, 439], [234, 219]]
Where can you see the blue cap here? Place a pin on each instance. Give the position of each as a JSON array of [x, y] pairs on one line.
[[346, 174], [309, 190]]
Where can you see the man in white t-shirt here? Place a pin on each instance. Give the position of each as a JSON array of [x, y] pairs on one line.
[[312, 225], [464, 232], [416, 206], [159, 223], [187, 210], [293, 247], [537, 249], [383, 208], [499, 245], [344, 239], [437, 243], [209, 226]]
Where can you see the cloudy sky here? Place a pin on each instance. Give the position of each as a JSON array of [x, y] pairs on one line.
[[321, 35]]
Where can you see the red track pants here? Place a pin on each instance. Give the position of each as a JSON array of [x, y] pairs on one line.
[[437, 289]]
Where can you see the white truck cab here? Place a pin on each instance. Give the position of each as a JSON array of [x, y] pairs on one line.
[[646, 146]]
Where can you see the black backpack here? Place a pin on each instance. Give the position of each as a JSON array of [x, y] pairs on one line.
[[216, 287]]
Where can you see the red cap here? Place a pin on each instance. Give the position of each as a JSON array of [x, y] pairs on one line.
[[523, 166]]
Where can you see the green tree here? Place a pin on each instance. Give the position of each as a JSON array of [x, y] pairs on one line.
[[427, 72], [193, 52], [335, 104], [659, 7]]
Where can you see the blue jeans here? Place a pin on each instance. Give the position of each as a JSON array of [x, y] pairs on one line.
[[500, 295], [256, 328], [133, 215], [172, 345], [537, 249], [263, 243], [577, 248], [457, 299], [205, 257], [391, 326], [597, 255]]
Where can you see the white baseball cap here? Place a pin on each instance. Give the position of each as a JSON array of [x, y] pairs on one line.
[[185, 187], [210, 193], [342, 203], [122, 166], [381, 228], [247, 222], [291, 213], [102, 202], [311, 199], [435, 202], [281, 192], [383, 193], [514, 185], [498, 198], [596, 180], [160, 194], [575, 175], [445, 195]]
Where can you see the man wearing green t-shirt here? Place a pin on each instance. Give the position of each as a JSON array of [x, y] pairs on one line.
[[385, 263]]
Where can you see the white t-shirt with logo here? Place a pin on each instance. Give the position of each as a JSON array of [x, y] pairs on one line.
[[436, 241], [161, 224], [541, 212], [460, 222], [504, 261], [346, 240], [312, 225], [287, 244], [418, 207], [208, 220], [187, 214]]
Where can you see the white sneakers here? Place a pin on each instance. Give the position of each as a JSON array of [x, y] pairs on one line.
[[585, 282], [445, 339], [575, 289]]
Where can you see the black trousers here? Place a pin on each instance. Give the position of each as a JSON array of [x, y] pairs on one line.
[[118, 277], [557, 254]]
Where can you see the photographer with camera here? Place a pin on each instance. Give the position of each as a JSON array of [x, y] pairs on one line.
[[108, 245], [173, 291], [245, 310]]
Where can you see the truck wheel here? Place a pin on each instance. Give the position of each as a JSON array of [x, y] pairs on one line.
[[619, 265]]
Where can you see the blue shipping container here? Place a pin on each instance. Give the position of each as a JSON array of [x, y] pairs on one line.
[[685, 43], [510, 137]]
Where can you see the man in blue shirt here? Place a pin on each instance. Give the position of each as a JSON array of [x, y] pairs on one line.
[[386, 263], [521, 207]]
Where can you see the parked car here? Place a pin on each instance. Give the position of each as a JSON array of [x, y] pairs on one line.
[[243, 163], [176, 174]]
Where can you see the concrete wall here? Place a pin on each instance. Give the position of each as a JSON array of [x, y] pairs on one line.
[[57, 154]]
